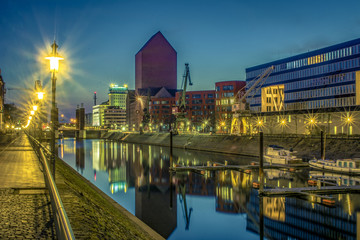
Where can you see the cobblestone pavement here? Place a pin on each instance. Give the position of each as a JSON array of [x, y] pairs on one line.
[[25, 209], [25, 215]]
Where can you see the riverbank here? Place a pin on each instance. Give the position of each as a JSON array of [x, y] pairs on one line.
[[93, 214], [307, 147]]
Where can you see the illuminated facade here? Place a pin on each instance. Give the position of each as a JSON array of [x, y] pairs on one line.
[[225, 96], [98, 114], [115, 117], [324, 78], [117, 96], [306, 93]]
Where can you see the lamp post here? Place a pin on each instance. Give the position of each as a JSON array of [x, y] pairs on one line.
[[54, 67]]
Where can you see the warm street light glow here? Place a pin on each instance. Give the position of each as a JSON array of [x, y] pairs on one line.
[[30, 117], [54, 63], [35, 108], [40, 95], [32, 112]]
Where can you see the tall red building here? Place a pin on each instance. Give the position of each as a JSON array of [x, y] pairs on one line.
[[155, 69], [156, 64]]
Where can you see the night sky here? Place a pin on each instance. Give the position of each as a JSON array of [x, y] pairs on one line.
[[99, 40]]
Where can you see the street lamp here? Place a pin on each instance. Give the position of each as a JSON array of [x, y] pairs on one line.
[[54, 67]]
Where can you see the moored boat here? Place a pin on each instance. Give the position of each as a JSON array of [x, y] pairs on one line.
[[340, 165], [278, 155]]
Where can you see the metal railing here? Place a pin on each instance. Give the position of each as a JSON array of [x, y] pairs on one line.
[[62, 224]]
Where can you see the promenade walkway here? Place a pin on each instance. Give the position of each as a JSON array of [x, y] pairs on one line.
[[25, 207]]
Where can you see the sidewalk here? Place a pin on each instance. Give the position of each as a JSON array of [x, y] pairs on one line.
[[25, 207]]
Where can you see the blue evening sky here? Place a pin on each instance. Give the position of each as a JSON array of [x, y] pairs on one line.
[[99, 40]]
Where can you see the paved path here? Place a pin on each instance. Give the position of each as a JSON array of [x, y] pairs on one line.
[[25, 207]]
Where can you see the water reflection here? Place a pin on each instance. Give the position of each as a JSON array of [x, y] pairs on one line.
[[210, 205]]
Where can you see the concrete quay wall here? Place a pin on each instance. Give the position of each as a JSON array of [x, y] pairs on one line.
[[306, 146]]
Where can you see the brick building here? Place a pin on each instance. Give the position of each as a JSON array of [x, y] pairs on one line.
[[225, 95], [200, 109]]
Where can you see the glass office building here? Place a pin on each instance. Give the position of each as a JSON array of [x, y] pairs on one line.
[[328, 78]]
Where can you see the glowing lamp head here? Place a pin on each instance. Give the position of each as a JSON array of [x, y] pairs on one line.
[[35, 108], [30, 117], [32, 112], [54, 63], [40, 95], [54, 58]]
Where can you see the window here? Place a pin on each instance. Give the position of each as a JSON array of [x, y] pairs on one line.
[[210, 95], [228, 87], [196, 96]]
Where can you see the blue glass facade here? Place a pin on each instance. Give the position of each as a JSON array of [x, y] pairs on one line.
[[324, 78]]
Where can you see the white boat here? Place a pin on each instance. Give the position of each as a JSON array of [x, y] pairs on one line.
[[278, 155], [340, 165]]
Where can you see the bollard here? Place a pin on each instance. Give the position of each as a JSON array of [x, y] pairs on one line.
[[226, 162]]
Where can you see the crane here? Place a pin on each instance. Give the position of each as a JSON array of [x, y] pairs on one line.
[[186, 76], [180, 110], [239, 108]]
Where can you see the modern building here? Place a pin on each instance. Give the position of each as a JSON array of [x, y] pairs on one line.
[[156, 64], [226, 92], [115, 117], [98, 114], [118, 95], [317, 90], [112, 114], [200, 109]]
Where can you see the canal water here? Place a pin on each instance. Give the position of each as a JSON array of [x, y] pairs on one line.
[[210, 205]]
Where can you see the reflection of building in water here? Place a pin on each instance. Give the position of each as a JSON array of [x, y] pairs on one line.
[[198, 185], [302, 220], [69, 147], [231, 191], [98, 155], [117, 179], [80, 155], [277, 174], [274, 208], [335, 178], [150, 167]]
